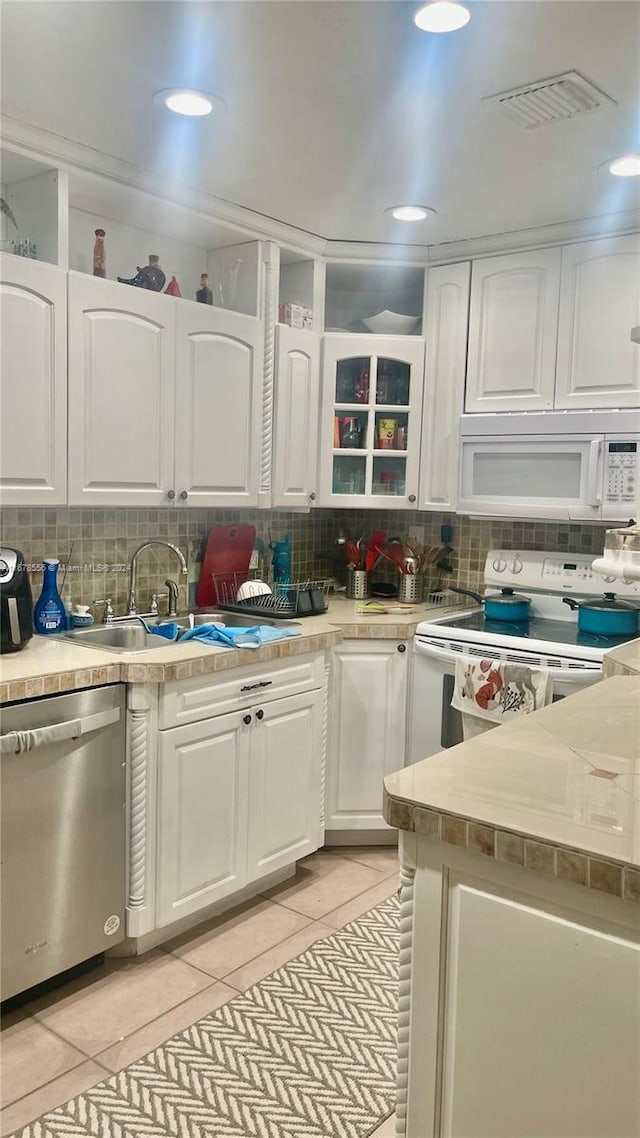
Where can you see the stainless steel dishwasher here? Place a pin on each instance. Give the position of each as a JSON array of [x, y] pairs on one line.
[[63, 832]]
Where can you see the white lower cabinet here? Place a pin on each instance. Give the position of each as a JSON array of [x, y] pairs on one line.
[[285, 779], [239, 797], [524, 1005], [368, 726], [203, 781]]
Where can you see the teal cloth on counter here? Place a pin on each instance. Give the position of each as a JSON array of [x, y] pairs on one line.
[[252, 637]]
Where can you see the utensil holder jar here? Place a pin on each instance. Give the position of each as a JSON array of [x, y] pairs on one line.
[[358, 585], [410, 586]]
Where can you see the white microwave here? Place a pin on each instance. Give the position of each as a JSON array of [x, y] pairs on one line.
[[571, 465]]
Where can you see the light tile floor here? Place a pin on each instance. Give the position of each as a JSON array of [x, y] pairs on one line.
[[61, 1044]]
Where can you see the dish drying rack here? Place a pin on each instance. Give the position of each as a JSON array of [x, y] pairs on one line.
[[300, 598], [444, 598]]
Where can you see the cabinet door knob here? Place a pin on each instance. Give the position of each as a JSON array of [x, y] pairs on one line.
[[402, 648], [171, 493], [184, 495], [312, 496], [260, 714], [412, 497], [246, 719]]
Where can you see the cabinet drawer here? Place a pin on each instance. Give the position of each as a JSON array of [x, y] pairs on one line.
[[186, 701]]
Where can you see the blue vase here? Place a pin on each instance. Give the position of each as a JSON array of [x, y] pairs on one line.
[[49, 614], [281, 563]]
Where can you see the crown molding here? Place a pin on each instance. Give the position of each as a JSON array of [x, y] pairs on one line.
[[372, 251], [75, 158], [248, 225], [560, 233]]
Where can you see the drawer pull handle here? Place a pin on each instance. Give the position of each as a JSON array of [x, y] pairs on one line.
[[246, 719], [260, 684], [260, 714]]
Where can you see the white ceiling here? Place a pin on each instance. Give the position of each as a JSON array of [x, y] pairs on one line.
[[336, 110]]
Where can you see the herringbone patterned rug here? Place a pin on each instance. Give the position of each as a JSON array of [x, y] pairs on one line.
[[307, 1053]]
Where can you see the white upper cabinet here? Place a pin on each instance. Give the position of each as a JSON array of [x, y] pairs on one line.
[[371, 420], [218, 402], [33, 383], [598, 365], [446, 337], [121, 393], [164, 399], [297, 394], [513, 332]]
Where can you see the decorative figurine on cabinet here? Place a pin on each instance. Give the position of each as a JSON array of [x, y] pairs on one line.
[[151, 276], [204, 294], [173, 288], [99, 255]]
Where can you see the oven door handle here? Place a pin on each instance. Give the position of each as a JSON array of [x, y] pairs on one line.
[[583, 675]]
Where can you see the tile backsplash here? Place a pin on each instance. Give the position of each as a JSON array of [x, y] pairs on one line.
[[98, 544]]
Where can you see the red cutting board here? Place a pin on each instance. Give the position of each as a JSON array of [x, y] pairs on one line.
[[226, 557]]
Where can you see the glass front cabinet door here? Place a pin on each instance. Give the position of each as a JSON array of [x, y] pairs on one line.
[[371, 420]]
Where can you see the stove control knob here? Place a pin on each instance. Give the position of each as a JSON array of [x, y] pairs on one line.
[[4, 568], [499, 564], [516, 565]]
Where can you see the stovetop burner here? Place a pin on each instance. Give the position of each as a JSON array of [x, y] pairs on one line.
[[538, 629]]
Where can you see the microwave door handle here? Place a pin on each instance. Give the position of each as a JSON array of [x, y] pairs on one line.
[[594, 497]]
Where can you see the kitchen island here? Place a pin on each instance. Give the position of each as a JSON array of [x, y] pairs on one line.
[[520, 926]]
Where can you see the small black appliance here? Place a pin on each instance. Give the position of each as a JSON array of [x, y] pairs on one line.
[[16, 605]]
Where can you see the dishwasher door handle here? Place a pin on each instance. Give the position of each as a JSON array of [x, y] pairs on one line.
[[18, 742]]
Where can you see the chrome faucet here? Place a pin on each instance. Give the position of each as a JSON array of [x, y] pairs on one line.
[[131, 603]]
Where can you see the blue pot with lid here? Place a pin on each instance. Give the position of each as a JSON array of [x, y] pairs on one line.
[[505, 605], [605, 616]]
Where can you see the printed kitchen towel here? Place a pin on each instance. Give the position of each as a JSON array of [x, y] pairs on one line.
[[490, 692]]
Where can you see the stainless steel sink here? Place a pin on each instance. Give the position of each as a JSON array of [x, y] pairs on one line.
[[117, 638], [130, 636]]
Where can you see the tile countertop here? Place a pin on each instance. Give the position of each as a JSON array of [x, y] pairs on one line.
[[53, 664], [623, 661], [557, 791]]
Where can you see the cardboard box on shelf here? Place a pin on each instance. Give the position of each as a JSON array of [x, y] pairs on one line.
[[296, 315]]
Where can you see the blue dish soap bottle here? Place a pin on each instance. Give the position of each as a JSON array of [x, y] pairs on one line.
[[49, 612], [281, 563]]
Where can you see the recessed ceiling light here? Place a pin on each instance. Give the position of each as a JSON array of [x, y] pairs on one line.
[[186, 102], [441, 16], [626, 166], [410, 212]]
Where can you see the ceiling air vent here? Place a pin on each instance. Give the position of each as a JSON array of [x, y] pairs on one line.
[[550, 100]]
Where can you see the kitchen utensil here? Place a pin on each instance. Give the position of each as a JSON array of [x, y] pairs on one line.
[[372, 555], [352, 550], [505, 605], [227, 555], [605, 616], [395, 552], [409, 588], [357, 584], [411, 564], [252, 589]]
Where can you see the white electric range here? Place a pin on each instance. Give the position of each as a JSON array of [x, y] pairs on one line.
[[550, 639]]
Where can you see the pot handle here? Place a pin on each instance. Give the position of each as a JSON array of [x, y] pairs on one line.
[[467, 593], [571, 602]]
